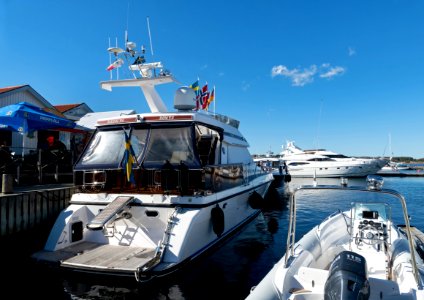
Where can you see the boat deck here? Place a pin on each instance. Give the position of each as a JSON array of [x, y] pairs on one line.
[[94, 256]]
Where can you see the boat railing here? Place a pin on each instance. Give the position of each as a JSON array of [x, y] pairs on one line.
[[157, 258], [224, 119], [173, 180], [291, 235], [181, 181]]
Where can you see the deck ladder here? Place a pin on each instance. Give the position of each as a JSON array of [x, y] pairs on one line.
[[109, 212]]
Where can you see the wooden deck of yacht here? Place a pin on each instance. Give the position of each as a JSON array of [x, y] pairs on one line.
[[93, 256]]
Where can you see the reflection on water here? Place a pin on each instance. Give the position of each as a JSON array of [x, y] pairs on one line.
[[228, 272]]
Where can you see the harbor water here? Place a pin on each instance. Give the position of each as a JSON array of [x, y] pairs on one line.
[[228, 272]]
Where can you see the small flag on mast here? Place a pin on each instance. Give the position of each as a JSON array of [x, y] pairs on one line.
[[116, 64], [195, 87], [204, 97], [211, 97]]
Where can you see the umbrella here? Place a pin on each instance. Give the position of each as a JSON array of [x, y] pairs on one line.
[[26, 118]]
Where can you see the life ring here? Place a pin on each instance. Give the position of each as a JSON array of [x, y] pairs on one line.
[[255, 200], [218, 220]]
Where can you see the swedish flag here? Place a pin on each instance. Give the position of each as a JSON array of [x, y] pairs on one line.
[[129, 159], [195, 86]]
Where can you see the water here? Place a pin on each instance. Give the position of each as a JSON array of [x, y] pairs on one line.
[[226, 273]]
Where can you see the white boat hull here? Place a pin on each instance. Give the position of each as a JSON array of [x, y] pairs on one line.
[[334, 170], [183, 224]]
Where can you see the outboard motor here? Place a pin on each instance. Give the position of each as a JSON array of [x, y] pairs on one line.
[[347, 279]]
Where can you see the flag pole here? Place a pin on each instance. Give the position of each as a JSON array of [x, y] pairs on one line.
[[150, 36], [214, 99], [110, 61], [117, 69]]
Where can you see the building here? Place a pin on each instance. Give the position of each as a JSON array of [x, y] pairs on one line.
[[28, 144], [74, 111]]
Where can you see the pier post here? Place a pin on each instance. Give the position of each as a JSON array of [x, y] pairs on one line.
[[56, 175], [7, 184], [40, 167]]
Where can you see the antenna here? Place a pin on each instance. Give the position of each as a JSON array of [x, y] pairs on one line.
[[150, 36], [110, 60], [117, 69], [214, 100], [128, 15]]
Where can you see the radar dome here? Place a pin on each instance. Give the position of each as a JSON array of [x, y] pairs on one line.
[[185, 98]]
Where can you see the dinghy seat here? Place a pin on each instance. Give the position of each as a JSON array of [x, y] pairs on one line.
[[348, 278], [109, 212]]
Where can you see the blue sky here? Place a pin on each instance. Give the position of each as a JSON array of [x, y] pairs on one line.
[[340, 75]]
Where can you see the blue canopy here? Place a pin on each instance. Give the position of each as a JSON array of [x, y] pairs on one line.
[[24, 117]]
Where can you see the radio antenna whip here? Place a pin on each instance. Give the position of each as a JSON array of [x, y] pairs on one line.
[[150, 36], [110, 60]]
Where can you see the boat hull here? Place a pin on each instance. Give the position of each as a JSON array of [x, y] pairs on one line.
[[155, 235], [334, 170]]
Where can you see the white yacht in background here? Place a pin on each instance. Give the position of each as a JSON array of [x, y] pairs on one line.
[[155, 190], [393, 168], [324, 163]]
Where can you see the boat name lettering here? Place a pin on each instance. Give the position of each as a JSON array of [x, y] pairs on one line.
[[168, 118], [116, 121]]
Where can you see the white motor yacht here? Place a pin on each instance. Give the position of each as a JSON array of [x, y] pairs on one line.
[[155, 190], [324, 163]]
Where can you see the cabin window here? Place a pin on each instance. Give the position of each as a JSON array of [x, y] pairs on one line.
[[298, 163], [238, 154], [170, 144], [153, 146], [106, 147]]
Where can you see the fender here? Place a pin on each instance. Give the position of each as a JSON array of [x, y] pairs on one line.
[[218, 220]]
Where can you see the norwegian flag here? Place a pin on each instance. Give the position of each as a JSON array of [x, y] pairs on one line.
[[204, 96]]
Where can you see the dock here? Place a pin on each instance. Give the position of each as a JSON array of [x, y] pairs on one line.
[[408, 173], [28, 208]]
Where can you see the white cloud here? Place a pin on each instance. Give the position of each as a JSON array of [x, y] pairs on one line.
[[297, 77], [332, 71], [300, 77]]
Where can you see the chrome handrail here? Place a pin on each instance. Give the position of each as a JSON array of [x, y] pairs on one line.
[[292, 227]]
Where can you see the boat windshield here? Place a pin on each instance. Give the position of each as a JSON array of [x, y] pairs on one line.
[[152, 147], [372, 211]]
